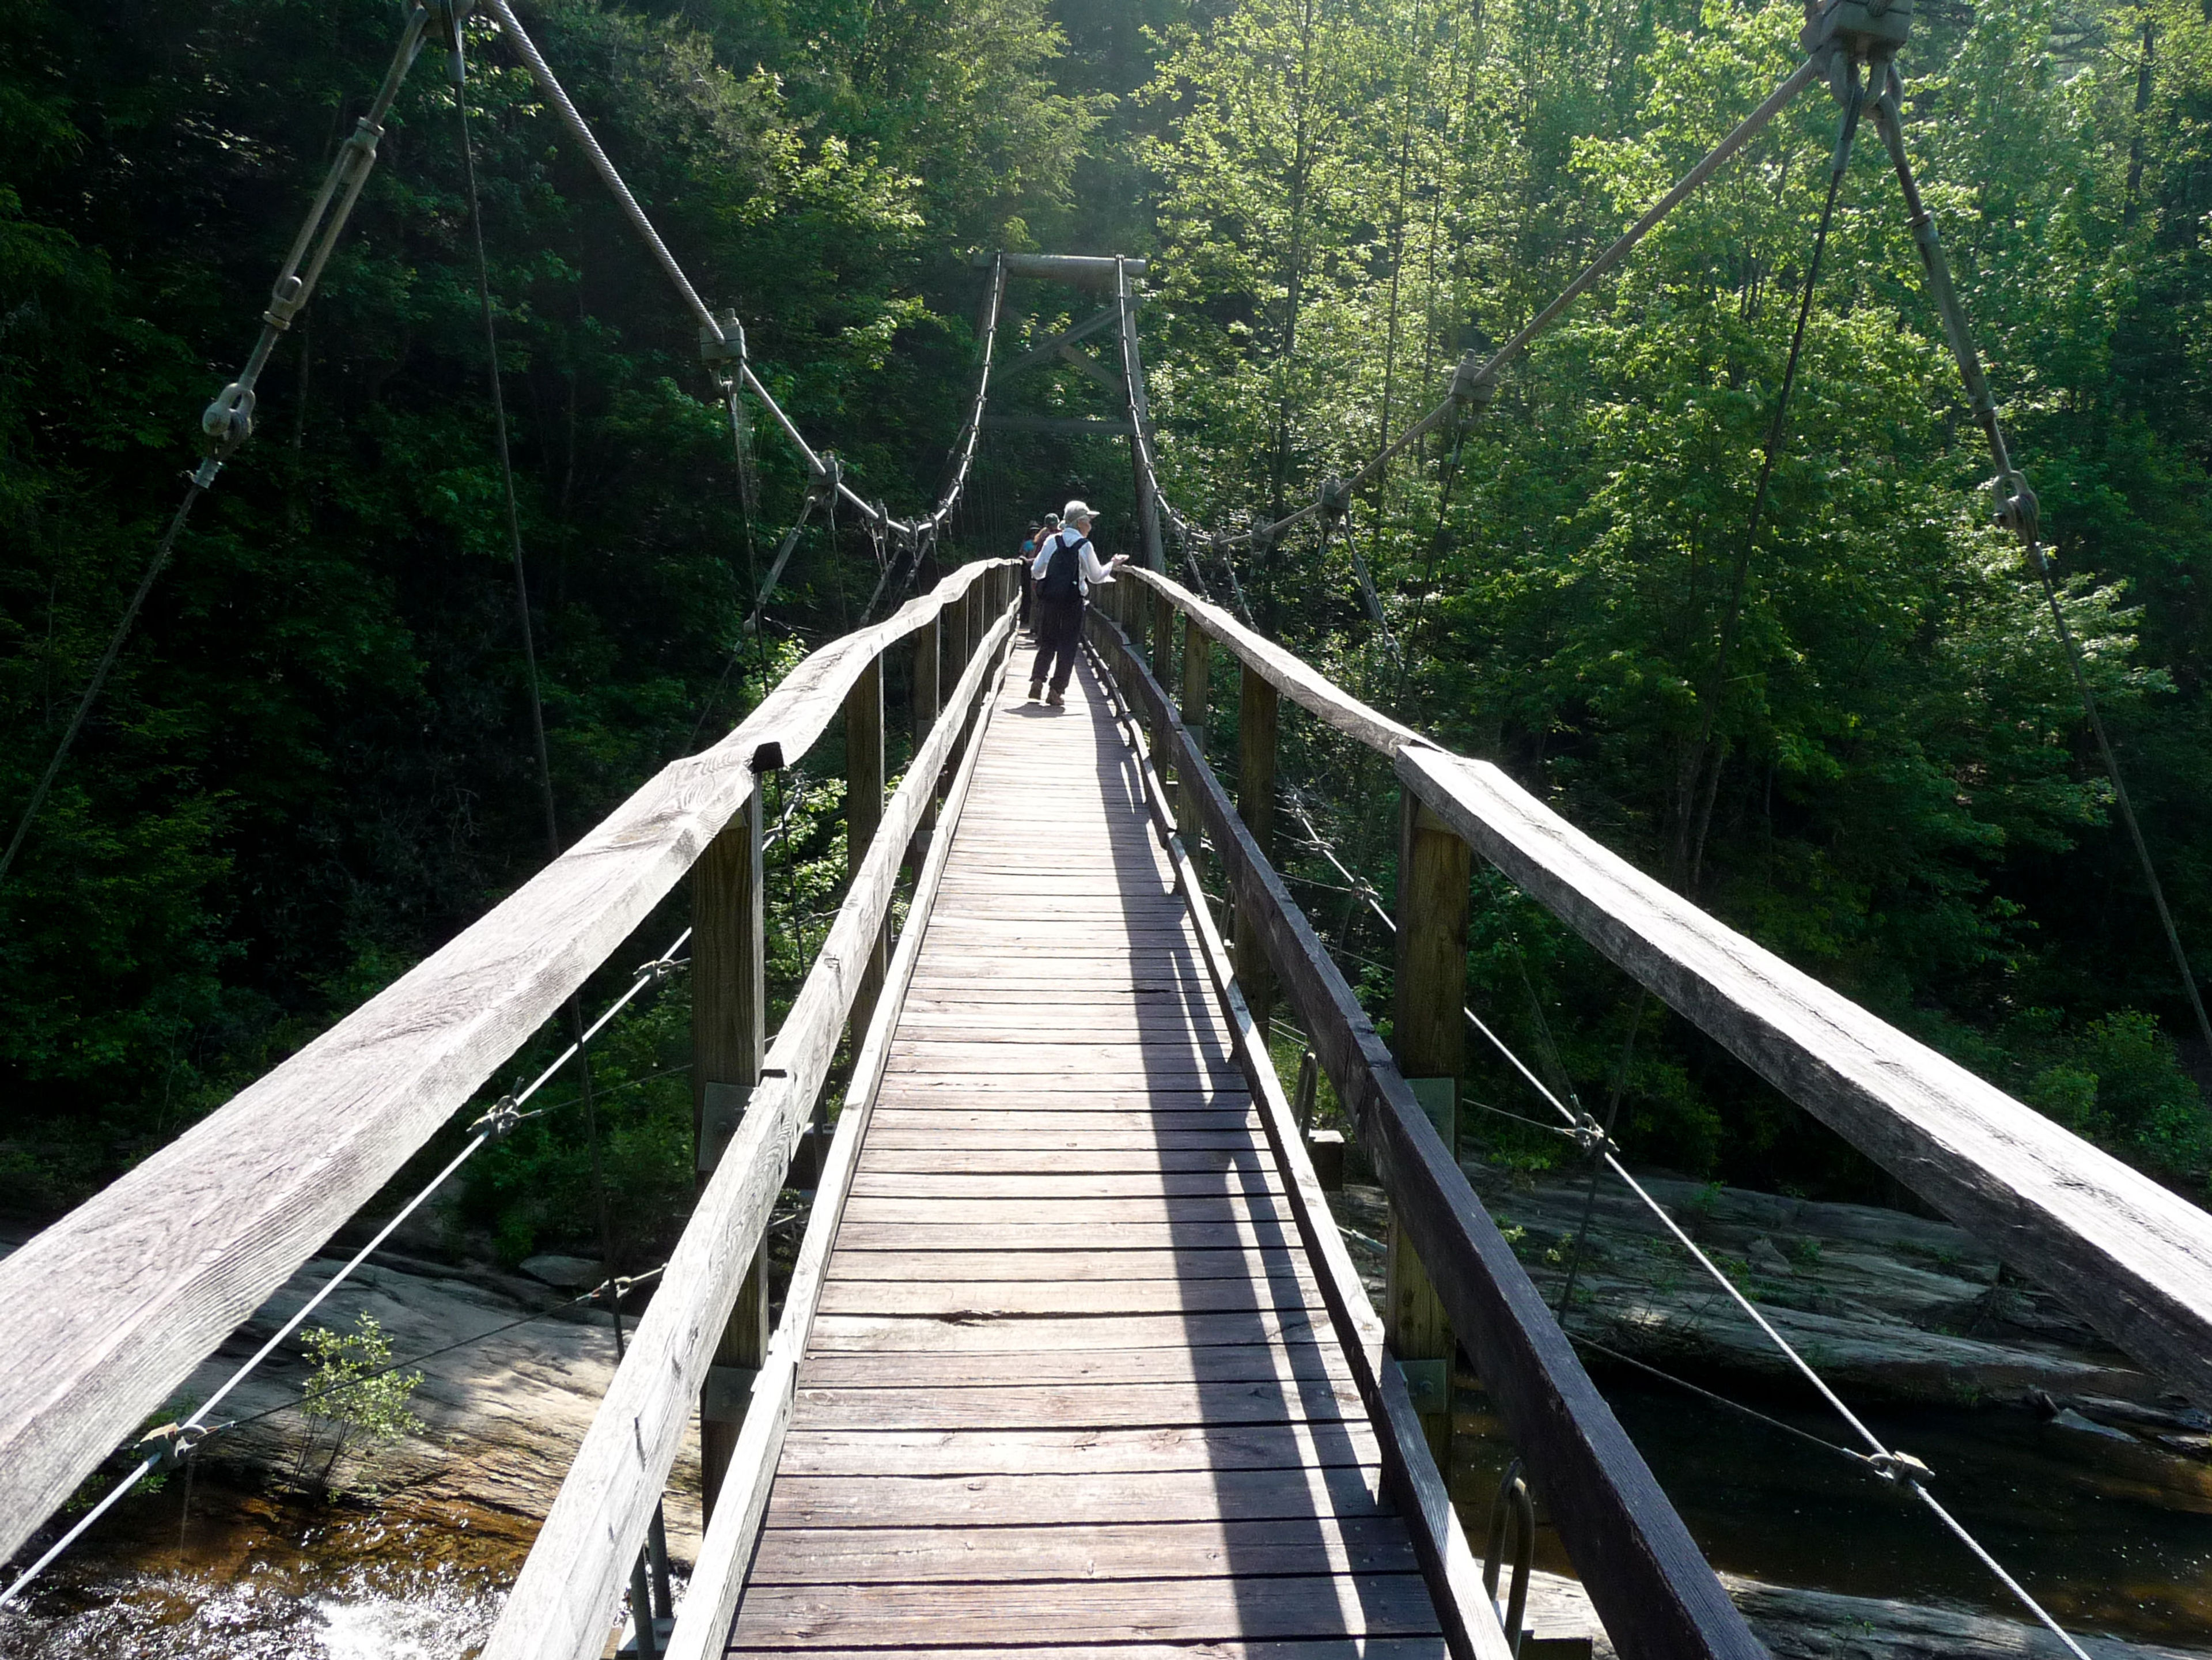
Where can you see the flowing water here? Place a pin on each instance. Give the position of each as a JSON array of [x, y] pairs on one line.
[[2117, 1541]]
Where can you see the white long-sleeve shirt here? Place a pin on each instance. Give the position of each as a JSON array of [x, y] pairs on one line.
[[1093, 571]]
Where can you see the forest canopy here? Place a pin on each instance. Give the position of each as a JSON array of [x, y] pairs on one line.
[[314, 764]]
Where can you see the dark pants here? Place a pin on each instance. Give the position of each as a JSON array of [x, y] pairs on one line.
[[1029, 594], [1059, 635]]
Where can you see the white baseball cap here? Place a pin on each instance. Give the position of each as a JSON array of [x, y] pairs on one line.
[[1076, 510]]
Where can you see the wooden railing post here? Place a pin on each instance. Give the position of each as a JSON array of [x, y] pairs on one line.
[[1164, 616], [729, 1036], [953, 620], [927, 697], [864, 811], [1258, 706], [1429, 1032], [1197, 674]]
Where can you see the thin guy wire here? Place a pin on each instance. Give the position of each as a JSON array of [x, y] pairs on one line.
[[1777, 430], [1884, 1458], [195, 1421], [506, 459]]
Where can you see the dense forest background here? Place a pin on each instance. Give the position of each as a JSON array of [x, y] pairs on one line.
[[314, 762]]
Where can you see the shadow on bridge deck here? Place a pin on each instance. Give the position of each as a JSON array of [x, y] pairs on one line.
[[1071, 1382]]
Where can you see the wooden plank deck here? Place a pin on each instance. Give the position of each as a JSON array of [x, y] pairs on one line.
[[1072, 1383]]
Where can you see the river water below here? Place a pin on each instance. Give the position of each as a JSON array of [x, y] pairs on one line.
[[2109, 1548]]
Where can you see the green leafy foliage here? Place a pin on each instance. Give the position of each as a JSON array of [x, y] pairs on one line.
[[353, 1401]]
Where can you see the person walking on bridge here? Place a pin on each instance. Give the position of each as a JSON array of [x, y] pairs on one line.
[[1066, 567]]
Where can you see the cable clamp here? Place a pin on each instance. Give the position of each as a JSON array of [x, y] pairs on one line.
[[1471, 387], [1901, 1467], [828, 473], [661, 967], [1589, 1135], [2017, 509], [172, 1443], [1334, 499], [724, 355], [228, 421], [501, 1121]]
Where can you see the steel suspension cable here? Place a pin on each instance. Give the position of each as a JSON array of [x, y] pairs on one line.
[[2017, 509], [458, 62], [179, 1440], [1703, 789], [227, 421], [1898, 1467]]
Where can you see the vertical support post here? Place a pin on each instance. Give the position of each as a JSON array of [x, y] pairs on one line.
[[1257, 710], [954, 617], [864, 811], [1140, 418], [1429, 1033], [1164, 616], [1197, 671], [729, 1040], [927, 698]]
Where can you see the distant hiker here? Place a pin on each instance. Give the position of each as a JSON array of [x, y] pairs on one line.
[[1029, 546], [1065, 567]]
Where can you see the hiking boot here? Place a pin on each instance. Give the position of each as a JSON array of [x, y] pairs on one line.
[[1057, 701], [1036, 690]]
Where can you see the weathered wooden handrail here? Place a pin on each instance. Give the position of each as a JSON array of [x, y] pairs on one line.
[[562, 1601], [1655, 1591], [111, 1307], [2131, 1258], [702, 1626]]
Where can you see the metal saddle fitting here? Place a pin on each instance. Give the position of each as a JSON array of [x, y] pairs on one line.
[[1334, 499], [170, 1445], [1855, 32], [828, 473], [724, 356]]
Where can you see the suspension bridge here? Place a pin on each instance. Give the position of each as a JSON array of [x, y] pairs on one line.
[[1073, 1359]]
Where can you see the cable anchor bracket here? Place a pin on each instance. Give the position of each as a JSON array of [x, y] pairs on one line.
[[1901, 1467], [723, 353]]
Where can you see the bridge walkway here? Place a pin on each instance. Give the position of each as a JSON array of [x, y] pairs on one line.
[[1071, 1381]]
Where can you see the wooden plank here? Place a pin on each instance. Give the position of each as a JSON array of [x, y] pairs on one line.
[[1096, 1611], [1260, 1233], [842, 1501], [1030, 1095], [1369, 1648], [973, 1266], [973, 1132], [1304, 1356], [1657, 1595], [1078, 1406], [856, 1333], [1258, 718], [845, 1451], [114, 1304], [864, 811], [572, 1577], [967, 1299], [965, 1158], [2130, 1257], [1052, 1191], [913, 1556], [1176, 1211]]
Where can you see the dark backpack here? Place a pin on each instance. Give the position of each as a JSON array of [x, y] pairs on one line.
[[1063, 577]]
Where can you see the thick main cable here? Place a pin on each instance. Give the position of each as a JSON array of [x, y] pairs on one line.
[[227, 421]]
